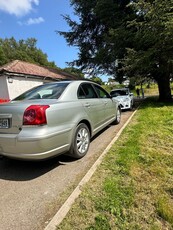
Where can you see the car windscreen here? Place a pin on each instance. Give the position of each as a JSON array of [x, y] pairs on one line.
[[46, 91], [118, 93]]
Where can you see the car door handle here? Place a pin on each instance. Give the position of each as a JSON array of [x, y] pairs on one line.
[[87, 105]]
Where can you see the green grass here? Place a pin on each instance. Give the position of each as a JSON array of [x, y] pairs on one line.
[[133, 187]]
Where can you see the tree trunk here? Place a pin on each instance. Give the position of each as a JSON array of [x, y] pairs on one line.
[[164, 88]]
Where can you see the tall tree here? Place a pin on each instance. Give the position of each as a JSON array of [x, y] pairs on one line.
[[124, 36], [152, 54], [93, 33]]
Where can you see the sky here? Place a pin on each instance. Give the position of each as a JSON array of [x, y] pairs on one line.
[[39, 19]]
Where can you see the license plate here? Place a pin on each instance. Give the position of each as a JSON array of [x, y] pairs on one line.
[[4, 124]]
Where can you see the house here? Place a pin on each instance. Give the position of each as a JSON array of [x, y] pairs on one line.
[[18, 76]]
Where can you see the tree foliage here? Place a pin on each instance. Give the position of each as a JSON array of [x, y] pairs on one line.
[[24, 50], [124, 37], [98, 33], [152, 54], [97, 80], [74, 71]]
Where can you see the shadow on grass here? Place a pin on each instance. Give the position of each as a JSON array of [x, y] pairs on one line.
[[152, 102]]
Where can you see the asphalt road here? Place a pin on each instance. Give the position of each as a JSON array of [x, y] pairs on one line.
[[32, 192]]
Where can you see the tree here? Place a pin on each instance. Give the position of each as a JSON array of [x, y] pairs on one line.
[[24, 50], [120, 37], [74, 71], [99, 34], [152, 54], [97, 79]]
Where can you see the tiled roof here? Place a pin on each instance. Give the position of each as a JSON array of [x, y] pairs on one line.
[[26, 68]]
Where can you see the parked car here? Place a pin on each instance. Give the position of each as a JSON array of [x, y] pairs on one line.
[[124, 96], [55, 118]]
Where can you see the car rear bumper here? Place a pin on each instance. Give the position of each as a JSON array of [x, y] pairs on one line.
[[35, 147], [36, 156]]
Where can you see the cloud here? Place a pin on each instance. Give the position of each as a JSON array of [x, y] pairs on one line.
[[32, 21], [17, 7]]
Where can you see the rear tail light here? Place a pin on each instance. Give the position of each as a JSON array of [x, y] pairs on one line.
[[35, 115]]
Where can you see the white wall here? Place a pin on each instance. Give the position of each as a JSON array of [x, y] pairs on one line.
[[20, 85], [3, 88]]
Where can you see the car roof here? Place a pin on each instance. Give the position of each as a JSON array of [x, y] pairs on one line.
[[71, 81]]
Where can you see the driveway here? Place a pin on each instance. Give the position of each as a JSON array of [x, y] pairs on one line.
[[32, 192]]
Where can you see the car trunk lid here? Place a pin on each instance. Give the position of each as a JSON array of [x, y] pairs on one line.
[[11, 115]]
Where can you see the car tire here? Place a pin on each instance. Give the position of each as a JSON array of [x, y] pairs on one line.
[[81, 141], [118, 116]]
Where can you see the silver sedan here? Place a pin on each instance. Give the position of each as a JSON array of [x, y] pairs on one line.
[[55, 118]]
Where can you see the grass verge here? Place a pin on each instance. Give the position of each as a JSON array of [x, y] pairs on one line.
[[133, 187]]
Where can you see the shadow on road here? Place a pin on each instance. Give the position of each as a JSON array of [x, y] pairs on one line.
[[15, 170]]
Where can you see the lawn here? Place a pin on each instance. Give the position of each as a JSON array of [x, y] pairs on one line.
[[133, 187]]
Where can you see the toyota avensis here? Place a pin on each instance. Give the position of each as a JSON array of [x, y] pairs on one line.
[[55, 118]]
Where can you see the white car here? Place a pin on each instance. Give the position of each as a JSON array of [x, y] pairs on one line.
[[124, 97]]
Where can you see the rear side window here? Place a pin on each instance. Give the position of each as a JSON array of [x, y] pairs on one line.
[[86, 91], [101, 92]]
